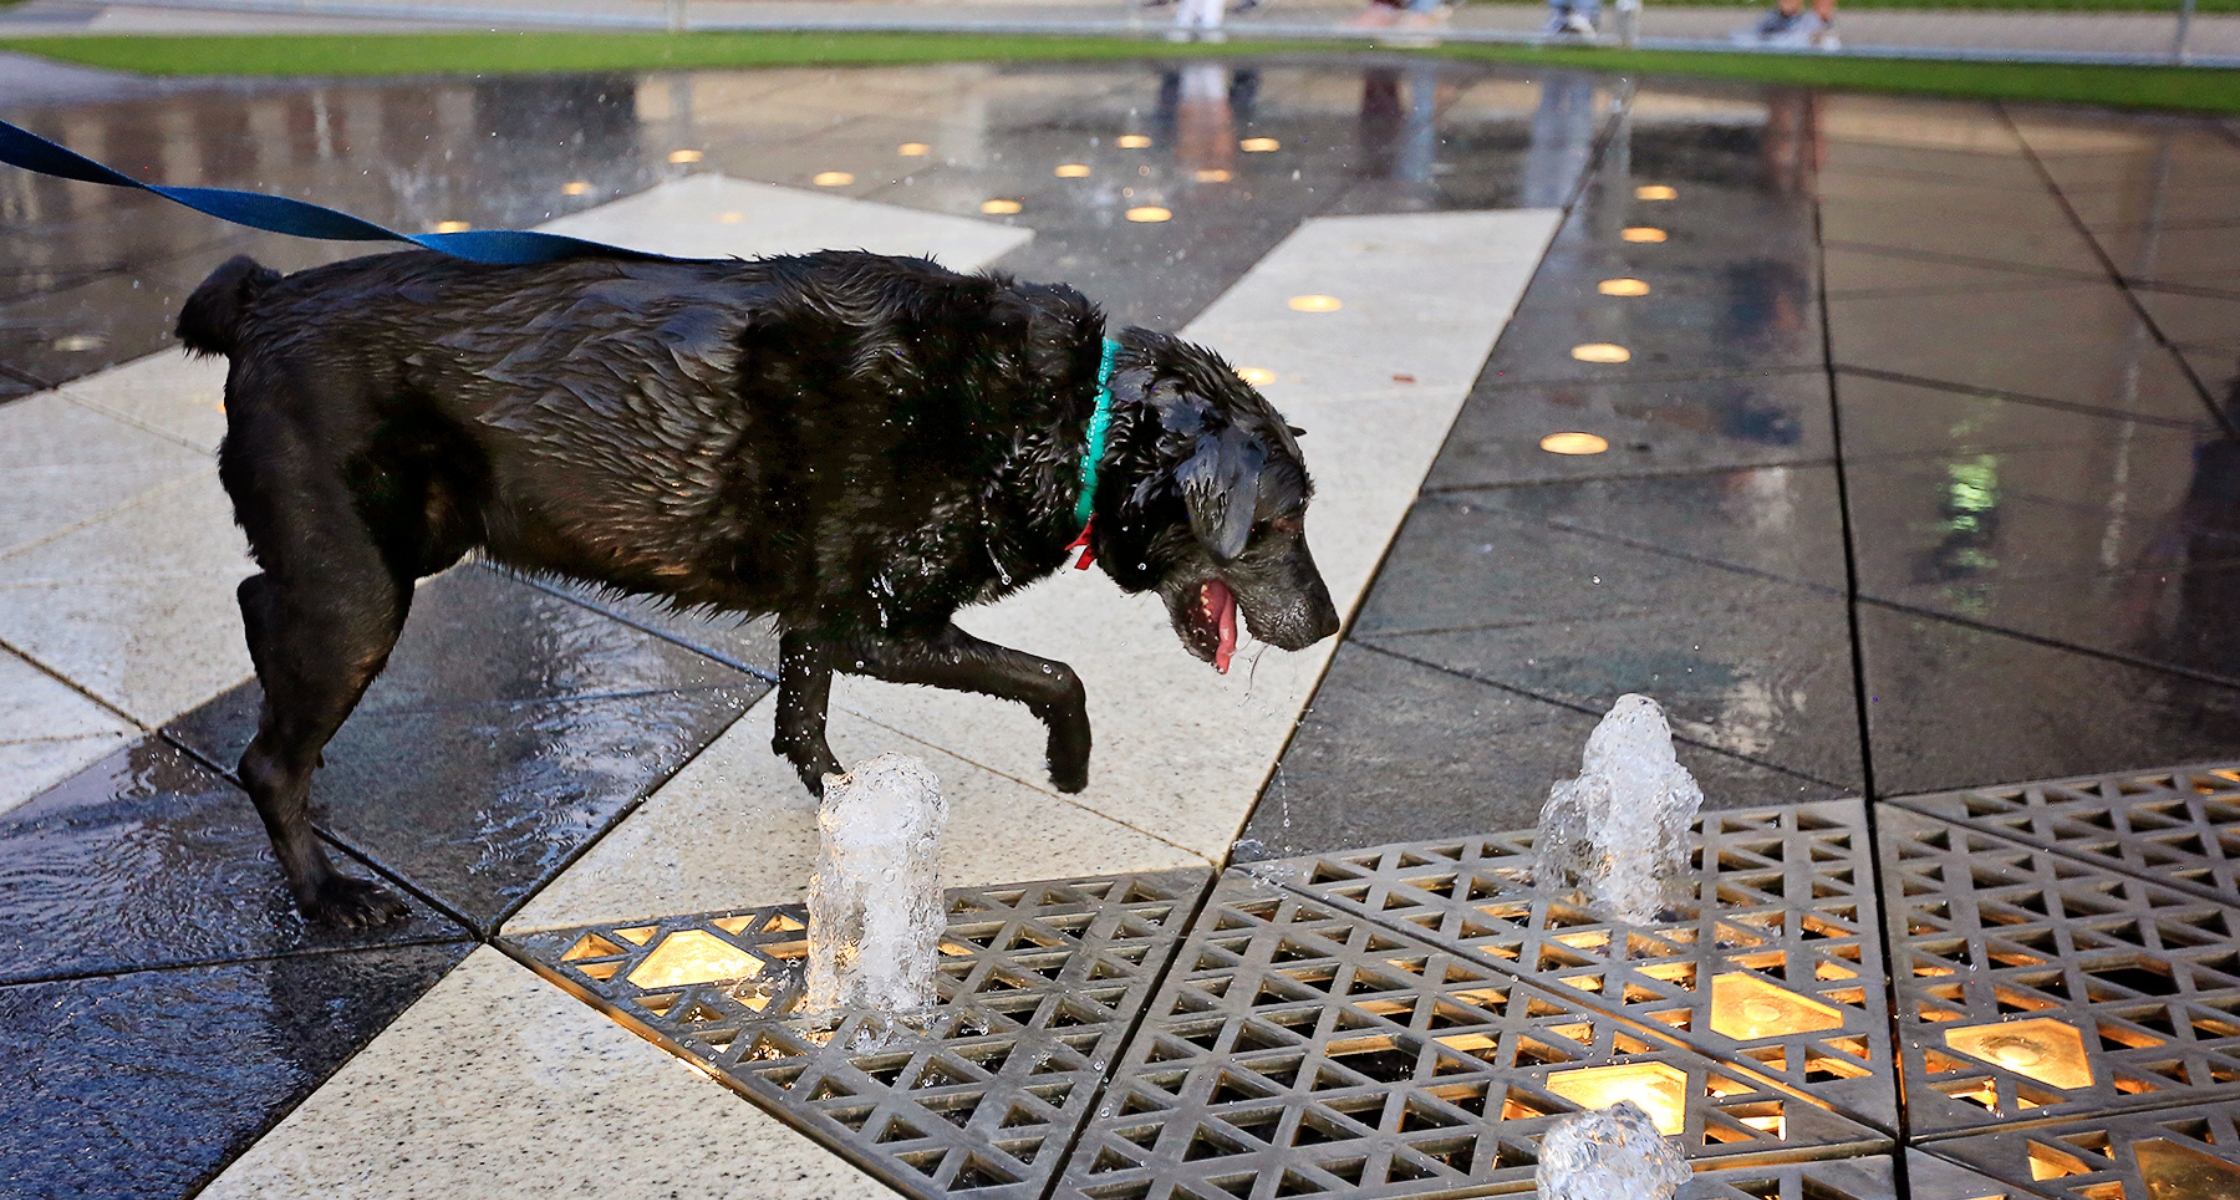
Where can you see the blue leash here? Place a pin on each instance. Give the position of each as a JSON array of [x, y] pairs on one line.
[[279, 214]]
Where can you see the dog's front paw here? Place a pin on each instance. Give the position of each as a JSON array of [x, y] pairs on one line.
[[346, 903]]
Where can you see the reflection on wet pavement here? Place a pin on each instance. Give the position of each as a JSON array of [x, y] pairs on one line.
[[1892, 465]]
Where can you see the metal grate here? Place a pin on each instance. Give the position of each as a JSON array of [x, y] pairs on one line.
[[1777, 963], [2179, 827], [1297, 1048], [2033, 986], [1039, 985], [2171, 1155], [1866, 1178], [1931, 1178]]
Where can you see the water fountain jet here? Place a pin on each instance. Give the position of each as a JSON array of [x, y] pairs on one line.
[[876, 912], [1619, 831]]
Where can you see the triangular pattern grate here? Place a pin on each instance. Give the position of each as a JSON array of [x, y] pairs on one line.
[[1867, 1178], [1777, 963], [2187, 1154], [2031, 985], [1931, 1178], [1040, 984], [2179, 827], [1297, 1048]]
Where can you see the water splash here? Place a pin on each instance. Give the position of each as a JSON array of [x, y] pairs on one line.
[[875, 907], [1620, 830], [1614, 1154]]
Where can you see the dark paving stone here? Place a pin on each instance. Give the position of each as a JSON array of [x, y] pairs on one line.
[[2081, 345], [1782, 521], [2194, 206], [55, 337], [147, 1084], [1766, 322], [1772, 683], [2210, 322], [512, 727], [1855, 158], [1950, 707], [1995, 225], [481, 805], [148, 859], [1396, 751], [1652, 426], [2205, 258], [1460, 563]]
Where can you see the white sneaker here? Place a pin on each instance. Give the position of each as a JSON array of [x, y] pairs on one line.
[[1577, 22]]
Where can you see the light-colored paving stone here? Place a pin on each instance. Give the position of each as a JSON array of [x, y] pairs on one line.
[[497, 1084]]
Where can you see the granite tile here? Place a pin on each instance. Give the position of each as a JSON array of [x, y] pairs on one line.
[[1891, 419], [148, 859], [146, 1084], [33, 765], [34, 704], [1771, 683], [1393, 750], [497, 1083], [735, 828], [1652, 426], [1461, 563], [741, 641], [2210, 322], [2203, 258], [57, 336], [2001, 226], [480, 805], [2082, 345], [167, 393], [1950, 707], [63, 465], [1852, 269]]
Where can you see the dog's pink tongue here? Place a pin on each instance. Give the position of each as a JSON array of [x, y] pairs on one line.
[[1225, 605]]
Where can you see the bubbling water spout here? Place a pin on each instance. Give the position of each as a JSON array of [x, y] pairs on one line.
[[1620, 830], [875, 906], [1614, 1154]]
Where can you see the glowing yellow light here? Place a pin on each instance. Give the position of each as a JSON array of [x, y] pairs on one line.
[[1654, 191], [1256, 376], [1746, 1007], [2174, 1171], [1132, 141], [75, 343], [832, 179], [694, 956], [574, 188], [1573, 443], [1660, 1090], [452, 227], [1214, 176], [1072, 171], [1314, 303], [1259, 145], [684, 156], [999, 208], [1149, 213], [913, 149], [1622, 287], [2049, 1051], [1643, 233], [1601, 352], [731, 218]]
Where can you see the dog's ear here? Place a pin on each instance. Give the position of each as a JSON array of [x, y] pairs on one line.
[[1221, 488]]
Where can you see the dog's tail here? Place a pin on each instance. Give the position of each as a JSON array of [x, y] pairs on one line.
[[210, 321]]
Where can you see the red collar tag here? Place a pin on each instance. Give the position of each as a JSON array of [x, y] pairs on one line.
[[1088, 552]]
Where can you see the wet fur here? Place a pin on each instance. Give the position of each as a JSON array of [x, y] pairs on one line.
[[857, 444]]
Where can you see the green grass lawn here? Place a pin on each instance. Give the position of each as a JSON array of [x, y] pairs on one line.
[[2193, 89]]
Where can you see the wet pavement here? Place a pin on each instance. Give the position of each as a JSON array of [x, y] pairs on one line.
[[1913, 478]]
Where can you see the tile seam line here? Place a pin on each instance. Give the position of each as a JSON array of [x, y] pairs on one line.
[[2203, 894], [1631, 614], [69, 395], [1860, 692], [2116, 275], [2136, 663], [1505, 382], [1967, 260], [1135, 1028], [1346, 628], [1589, 710], [552, 589], [152, 494], [201, 964], [76, 687], [2030, 398], [1450, 489]]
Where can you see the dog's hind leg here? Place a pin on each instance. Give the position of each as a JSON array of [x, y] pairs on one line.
[[960, 662], [315, 649], [804, 694]]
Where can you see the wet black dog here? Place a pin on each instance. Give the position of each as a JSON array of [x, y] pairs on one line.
[[857, 444]]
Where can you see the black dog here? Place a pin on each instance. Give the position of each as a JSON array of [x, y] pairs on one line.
[[855, 443]]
